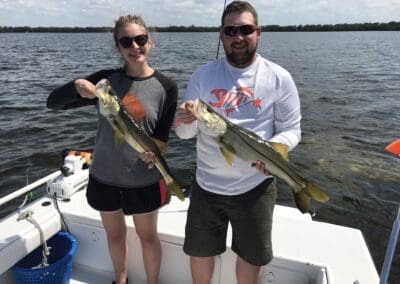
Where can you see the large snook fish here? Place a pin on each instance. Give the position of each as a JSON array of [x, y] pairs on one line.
[[125, 128], [236, 141]]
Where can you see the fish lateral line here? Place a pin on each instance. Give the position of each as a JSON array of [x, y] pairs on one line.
[[126, 128]]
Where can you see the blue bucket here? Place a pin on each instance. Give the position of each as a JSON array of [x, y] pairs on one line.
[[62, 248]]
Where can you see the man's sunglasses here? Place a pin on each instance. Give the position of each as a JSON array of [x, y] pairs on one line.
[[244, 30], [126, 41]]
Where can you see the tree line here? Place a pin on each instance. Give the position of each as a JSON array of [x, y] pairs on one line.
[[391, 26]]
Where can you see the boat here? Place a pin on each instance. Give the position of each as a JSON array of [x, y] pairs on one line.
[[305, 251]]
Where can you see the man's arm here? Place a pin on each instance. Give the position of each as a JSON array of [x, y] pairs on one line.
[[287, 115]]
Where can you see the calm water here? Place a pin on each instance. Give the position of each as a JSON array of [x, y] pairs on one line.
[[349, 87]]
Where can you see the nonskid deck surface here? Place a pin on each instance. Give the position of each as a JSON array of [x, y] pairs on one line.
[[303, 245], [305, 250], [87, 275]]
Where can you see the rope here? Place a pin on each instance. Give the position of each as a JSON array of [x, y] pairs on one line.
[[46, 250], [27, 215], [63, 223]]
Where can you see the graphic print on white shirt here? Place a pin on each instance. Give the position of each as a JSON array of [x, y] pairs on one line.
[[261, 97], [235, 98]]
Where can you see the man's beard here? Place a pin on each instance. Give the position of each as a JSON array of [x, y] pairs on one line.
[[243, 58]]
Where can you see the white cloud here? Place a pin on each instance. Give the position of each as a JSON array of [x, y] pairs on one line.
[[188, 12]]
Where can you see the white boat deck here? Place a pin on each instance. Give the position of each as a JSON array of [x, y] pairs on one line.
[[305, 251]]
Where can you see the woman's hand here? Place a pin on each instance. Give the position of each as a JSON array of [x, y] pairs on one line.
[[85, 88], [148, 158]]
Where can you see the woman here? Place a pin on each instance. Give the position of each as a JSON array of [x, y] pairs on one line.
[[121, 182]]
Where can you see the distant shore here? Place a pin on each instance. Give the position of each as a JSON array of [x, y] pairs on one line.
[[391, 26]]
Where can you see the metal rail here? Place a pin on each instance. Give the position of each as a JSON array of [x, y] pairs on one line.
[[394, 148], [28, 188], [390, 250]]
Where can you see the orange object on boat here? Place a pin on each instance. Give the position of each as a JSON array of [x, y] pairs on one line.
[[85, 155], [394, 147]]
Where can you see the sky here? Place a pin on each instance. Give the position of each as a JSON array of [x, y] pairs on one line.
[[94, 13]]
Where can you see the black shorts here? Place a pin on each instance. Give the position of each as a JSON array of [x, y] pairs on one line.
[[250, 215], [104, 197]]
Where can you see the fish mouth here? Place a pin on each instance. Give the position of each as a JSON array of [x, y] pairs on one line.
[[103, 89], [199, 109], [210, 123], [108, 104], [194, 108]]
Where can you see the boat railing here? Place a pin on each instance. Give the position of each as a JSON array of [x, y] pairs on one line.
[[394, 148], [28, 188]]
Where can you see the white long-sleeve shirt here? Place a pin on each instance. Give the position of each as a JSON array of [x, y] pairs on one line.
[[261, 97]]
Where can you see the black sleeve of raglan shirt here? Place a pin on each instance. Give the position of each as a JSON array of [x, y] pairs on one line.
[[67, 97], [163, 127]]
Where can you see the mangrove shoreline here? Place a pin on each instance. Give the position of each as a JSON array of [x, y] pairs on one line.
[[391, 26]]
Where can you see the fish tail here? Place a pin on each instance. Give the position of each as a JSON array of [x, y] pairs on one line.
[[315, 192], [174, 187], [302, 201], [310, 191]]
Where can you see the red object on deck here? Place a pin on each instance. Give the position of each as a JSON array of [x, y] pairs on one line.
[[394, 147]]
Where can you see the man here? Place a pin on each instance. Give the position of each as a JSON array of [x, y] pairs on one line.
[[256, 94]]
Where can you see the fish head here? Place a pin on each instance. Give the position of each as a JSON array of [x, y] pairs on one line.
[[210, 122], [108, 104]]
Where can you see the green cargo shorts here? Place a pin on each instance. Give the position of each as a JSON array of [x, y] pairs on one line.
[[250, 215]]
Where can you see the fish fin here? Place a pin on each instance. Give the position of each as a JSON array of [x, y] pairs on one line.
[[302, 201], [118, 139], [174, 187], [168, 197], [162, 146], [228, 155], [281, 149], [227, 151], [315, 193]]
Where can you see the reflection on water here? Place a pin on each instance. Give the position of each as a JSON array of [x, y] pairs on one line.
[[349, 88]]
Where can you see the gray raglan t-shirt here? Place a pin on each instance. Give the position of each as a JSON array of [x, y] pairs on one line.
[[152, 103]]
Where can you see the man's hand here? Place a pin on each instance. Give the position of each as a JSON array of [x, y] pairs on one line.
[[260, 166], [184, 113]]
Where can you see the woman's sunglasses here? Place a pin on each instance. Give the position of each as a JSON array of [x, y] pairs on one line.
[[244, 30], [126, 41]]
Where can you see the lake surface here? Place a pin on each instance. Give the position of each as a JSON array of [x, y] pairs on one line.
[[349, 85]]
